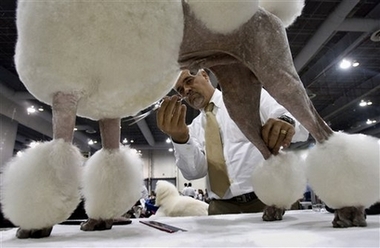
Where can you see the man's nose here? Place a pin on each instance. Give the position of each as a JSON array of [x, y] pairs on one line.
[[186, 90]]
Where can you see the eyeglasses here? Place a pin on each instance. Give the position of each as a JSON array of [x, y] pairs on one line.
[[185, 81]]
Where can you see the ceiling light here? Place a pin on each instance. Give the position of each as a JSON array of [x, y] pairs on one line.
[[369, 122], [365, 103], [125, 141], [345, 64], [355, 64], [75, 129], [168, 140], [31, 110], [170, 150], [132, 141], [91, 142]]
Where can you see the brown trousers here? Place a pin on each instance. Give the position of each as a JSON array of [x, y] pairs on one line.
[[232, 207]]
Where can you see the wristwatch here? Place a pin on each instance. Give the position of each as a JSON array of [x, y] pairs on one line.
[[287, 119]]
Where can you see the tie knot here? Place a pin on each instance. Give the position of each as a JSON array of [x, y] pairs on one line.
[[209, 107]]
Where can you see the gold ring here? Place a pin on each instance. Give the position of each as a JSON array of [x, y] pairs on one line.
[[283, 131]]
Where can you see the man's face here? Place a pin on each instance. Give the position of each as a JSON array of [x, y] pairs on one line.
[[197, 90]]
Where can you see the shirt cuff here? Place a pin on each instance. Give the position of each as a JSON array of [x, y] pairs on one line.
[[185, 148]]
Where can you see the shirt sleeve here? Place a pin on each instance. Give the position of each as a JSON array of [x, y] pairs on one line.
[[190, 159], [270, 108]]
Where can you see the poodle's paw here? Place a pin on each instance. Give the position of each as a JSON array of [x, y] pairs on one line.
[[272, 213], [33, 233], [349, 216], [96, 225]]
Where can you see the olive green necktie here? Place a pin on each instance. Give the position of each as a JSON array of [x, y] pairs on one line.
[[217, 170]]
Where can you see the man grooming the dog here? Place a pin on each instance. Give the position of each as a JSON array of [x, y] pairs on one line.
[[239, 154]]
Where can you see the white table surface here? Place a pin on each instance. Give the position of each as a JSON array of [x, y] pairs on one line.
[[301, 228]]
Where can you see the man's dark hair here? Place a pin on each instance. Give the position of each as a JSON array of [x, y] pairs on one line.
[[189, 185], [185, 184]]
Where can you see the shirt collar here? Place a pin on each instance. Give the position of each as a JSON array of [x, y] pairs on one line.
[[217, 99]]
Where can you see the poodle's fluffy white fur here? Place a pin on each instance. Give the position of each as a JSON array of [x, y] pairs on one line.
[[111, 50], [341, 179], [174, 205], [112, 182], [287, 11], [41, 187], [103, 65], [226, 16], [223, 16], [280, 180]]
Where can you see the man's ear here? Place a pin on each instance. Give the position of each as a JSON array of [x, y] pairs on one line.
[[205, 75]]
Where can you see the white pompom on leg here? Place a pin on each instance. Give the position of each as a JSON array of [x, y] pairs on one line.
[[280, 181], [112, 182], [345, 170], [221, 16], [40, 187], [287, 11]]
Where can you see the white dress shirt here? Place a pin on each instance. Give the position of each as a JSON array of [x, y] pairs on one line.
[[240, 154]]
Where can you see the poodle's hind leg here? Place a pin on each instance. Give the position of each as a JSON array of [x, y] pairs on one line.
[[112, 179], [41, 187], [276, 72], [349, 216], [342, 172]]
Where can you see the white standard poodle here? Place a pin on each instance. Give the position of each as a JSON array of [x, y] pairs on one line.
[[173, 204]]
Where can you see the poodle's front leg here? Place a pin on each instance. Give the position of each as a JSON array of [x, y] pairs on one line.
[[112, 179], [110, 134], [272, 213], [241, 95]]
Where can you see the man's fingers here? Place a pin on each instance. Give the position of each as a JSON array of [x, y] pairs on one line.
[[170, 108], [176, 113], [284, 139], [276, 134], [171, 115], [265, 131], [288, 137], [273, 136], [161, 113], [182, 116]]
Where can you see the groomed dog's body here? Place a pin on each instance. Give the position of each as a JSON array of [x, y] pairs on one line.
[[108, 67], [173, 204]]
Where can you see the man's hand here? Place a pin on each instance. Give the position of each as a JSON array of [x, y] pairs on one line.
[[171, 118], [277, 133]]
